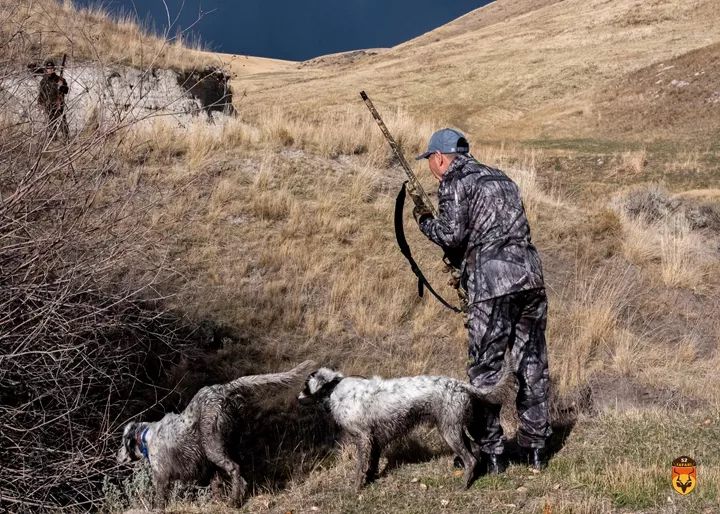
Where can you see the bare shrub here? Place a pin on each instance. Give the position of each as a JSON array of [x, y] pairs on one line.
[[84, 339], [647, 203]]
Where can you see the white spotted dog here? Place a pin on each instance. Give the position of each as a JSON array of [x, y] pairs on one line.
[[190, 445], [376, 411]]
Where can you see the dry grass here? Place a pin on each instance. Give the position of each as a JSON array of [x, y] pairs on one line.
[[640, 242], [585, 325], [321, 243], [346, 130], [286, 236], [90, 33], [350, 131], [634, 161], [680, 254], [657, 232]]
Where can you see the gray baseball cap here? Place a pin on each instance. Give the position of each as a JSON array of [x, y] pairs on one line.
[[445, 140]]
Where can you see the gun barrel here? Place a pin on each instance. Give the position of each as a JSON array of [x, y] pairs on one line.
[[415, 189]]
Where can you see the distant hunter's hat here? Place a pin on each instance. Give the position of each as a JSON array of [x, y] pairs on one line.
[[446, 140], [49, 63]]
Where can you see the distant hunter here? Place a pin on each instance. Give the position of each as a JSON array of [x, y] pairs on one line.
[[51, 98], [481, 214]]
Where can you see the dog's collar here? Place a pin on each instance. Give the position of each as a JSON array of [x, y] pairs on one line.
[[327, 389], [142, 442]]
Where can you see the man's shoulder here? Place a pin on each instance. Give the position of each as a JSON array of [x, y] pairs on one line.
[[475, 171]]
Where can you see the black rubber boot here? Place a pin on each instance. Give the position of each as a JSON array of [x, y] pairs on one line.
[[491, 464], [536, 459]]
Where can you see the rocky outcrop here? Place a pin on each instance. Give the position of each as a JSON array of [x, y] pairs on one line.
[[120, 94]]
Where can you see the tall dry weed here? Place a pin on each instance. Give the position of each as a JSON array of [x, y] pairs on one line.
[[583, 326], [345, 130], [534, 197], [641, 241], [632, 161], [681, 254], [671, 243]]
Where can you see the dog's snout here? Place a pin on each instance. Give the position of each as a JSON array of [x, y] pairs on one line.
[[305, 399], [122, 456]]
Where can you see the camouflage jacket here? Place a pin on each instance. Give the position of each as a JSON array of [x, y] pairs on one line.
[[485, 219], [52, 91]]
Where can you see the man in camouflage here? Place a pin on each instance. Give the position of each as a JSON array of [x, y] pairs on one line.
[[482, 215], [51, 98]]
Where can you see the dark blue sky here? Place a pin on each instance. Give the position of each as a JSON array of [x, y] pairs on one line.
[[297, 29]]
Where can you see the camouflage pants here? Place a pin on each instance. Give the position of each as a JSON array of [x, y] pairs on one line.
[[514, 322], [58, 122]]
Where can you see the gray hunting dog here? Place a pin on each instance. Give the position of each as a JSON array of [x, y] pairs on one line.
[[188, 445], [375, 411]]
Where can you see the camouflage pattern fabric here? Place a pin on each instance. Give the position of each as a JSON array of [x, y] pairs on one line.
[[487, 219], [515, 323], [52, 92], [52, 98]]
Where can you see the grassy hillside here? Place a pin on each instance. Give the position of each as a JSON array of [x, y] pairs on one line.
[[545, 75], [277, 225]]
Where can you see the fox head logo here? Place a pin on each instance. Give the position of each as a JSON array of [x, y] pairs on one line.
[[684, 475]]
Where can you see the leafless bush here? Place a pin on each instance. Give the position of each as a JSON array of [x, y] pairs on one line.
[[649, 203], [84, 340]]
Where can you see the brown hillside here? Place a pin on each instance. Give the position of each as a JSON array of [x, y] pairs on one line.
[[527, 76], [495, 12], [673, 99]]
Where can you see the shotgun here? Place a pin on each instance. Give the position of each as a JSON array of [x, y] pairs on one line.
[[418, 195]]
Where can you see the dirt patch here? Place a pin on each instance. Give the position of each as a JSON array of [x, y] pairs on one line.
[[616, 392]]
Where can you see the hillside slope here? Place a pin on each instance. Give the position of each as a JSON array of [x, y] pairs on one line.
[[515, 70], [675, 99]]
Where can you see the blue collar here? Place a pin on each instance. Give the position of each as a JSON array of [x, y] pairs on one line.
[[142, 443]]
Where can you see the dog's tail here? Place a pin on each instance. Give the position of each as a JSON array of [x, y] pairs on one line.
[[503, 389], [283, 378]]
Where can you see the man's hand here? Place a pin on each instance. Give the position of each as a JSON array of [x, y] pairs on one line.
[[421, 212]]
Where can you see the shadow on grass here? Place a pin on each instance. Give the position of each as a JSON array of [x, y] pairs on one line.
[[282, 441], [410, 450], [564, 412], [561, 431]]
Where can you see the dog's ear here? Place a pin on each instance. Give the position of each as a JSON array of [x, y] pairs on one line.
[[129, 432]]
